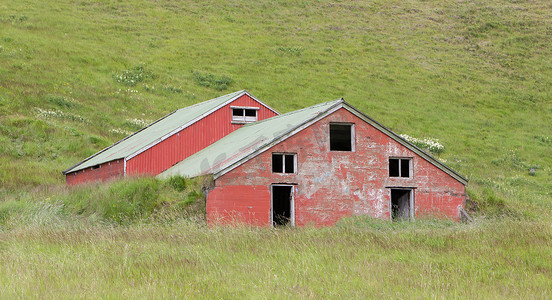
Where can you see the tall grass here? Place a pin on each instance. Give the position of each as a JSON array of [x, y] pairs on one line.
[[359, 258], [123, 202]]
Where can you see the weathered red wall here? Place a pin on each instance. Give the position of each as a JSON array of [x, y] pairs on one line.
[[232, 205], [106, 171], [192, 139], [330, 184]]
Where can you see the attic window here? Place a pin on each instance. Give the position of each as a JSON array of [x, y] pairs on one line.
[[244, 114], [399, 167], [341, 137], [284, 163]]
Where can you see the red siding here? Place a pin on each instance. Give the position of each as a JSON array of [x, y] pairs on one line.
[[238, 204], [331, 185], [106, 171], [192, 139]]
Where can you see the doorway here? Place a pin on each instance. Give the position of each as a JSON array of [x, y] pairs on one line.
[[402, 205], [282, 208]]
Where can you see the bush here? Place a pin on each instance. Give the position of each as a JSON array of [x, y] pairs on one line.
[[60, 101], [218, 82]]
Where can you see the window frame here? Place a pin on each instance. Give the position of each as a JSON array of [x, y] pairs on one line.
[[353, 136], [243, 119], [283, 154], [401, 158]]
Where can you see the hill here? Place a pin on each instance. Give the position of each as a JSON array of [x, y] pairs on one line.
[[76, 76]]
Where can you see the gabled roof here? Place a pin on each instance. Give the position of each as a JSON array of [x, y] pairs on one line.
[[253, 139], [158, 131]]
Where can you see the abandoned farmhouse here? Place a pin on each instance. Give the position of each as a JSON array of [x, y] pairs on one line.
[[311, 166]]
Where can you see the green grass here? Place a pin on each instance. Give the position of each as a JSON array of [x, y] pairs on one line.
[[77, 76], [415, 260]]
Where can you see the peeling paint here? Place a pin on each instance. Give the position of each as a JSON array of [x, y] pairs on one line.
[[334, 184]]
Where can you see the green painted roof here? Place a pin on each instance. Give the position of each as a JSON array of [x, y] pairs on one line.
[[248, 140], [155, 132]]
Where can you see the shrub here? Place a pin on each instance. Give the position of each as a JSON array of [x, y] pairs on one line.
[[60, 101], [291, 51], [218, 82]]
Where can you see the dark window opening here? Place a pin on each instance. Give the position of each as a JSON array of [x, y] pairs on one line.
[[283, 163], [244, 115], [95, 167], [289, 161], [399, 167], [281, 205], [341, 137], [277, 163], [401, 209], [394, 167], [405, 167]]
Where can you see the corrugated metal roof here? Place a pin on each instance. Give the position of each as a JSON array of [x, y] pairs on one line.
[[155, 131], [246, 141], [250, 140]]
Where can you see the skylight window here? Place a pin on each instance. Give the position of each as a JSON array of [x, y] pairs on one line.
[[244, 114]]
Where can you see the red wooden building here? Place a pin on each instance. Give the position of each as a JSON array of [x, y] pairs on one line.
[[171, 139], [317, 165]]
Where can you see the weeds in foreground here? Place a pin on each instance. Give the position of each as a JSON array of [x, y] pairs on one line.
[[358, 258]]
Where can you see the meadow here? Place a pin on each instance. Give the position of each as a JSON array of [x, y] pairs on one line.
[[76, 76]]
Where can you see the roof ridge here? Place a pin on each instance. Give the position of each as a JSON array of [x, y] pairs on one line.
[[295, 111], [232, 95], [118, 142], [212, 100], [262, 144]]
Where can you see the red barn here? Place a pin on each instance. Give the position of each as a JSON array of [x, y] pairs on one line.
[[171, 139], [317, 165]]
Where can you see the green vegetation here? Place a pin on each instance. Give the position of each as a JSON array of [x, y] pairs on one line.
[[367, 258], [76, 76], [124, 202]]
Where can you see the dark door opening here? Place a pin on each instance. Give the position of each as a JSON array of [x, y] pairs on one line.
[[281, 205], [401, 205]]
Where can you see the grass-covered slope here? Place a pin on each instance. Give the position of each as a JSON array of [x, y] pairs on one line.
[[77, 76]]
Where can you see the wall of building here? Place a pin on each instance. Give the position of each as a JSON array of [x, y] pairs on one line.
[[334, 184], [234, 205], [106, 171], [192, 139]]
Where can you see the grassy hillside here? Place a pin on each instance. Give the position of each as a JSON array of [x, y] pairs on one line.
[[77, 76]]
